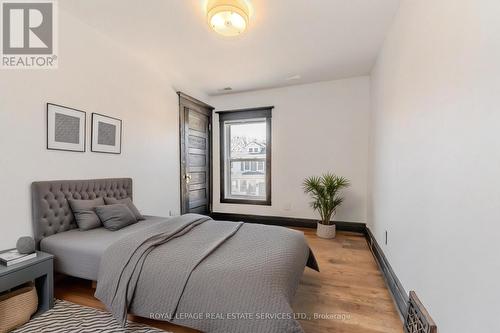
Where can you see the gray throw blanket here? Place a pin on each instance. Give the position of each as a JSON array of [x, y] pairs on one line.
[[213, 276]]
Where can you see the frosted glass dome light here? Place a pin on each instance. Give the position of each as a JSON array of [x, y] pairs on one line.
[[228, 17]]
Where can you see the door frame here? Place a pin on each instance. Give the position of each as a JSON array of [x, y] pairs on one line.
[[186, 100]]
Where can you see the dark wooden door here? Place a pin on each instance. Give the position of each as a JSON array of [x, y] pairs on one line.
[[196, 155]]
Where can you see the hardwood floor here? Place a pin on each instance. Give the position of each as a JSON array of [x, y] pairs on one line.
[[349, 292], [350, 288]]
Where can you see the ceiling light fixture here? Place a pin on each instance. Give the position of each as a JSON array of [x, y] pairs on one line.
[[228, 17]]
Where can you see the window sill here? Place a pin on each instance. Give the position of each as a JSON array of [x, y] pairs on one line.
[[246, 202]]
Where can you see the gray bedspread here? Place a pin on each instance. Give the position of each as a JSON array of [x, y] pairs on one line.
[[213, 276]]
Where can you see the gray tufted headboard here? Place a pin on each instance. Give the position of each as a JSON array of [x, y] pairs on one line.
[[50, 207]]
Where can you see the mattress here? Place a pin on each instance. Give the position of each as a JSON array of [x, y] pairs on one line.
[[78, 253]]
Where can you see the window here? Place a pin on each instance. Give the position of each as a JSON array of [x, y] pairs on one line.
[[245, 156]]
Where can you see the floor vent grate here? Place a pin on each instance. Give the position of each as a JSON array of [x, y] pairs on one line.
[[417, 318]]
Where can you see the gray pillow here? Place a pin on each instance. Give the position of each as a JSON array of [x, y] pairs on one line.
[[129, 203], [115, 217], [84, 212]]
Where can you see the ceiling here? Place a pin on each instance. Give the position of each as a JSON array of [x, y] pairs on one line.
[[288, 41]]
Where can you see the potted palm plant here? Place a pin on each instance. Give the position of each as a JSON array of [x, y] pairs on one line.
[[325, 192]]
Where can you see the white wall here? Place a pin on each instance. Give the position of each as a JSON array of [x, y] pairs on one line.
[[94, 75], [315, 128], [436, 158]]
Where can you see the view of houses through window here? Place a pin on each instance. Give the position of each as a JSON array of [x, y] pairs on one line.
[[246, 159]]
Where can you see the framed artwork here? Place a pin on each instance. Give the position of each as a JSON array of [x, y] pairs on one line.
[[66, 128], [106, 134]]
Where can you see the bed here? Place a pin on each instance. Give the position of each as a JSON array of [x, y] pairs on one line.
[[214, 276]]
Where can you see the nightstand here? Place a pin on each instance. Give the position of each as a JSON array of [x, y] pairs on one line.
[[39, 269]]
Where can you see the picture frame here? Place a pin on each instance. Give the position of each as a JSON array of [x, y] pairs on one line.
[[66, 128], [106, 134]]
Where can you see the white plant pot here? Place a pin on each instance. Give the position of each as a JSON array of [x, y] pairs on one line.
[[326, 231]]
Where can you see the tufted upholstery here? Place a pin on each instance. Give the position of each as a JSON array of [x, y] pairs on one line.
[[50, 208]]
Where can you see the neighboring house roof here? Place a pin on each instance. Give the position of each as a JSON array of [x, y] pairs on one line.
[[241, 144], [256, 143]]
